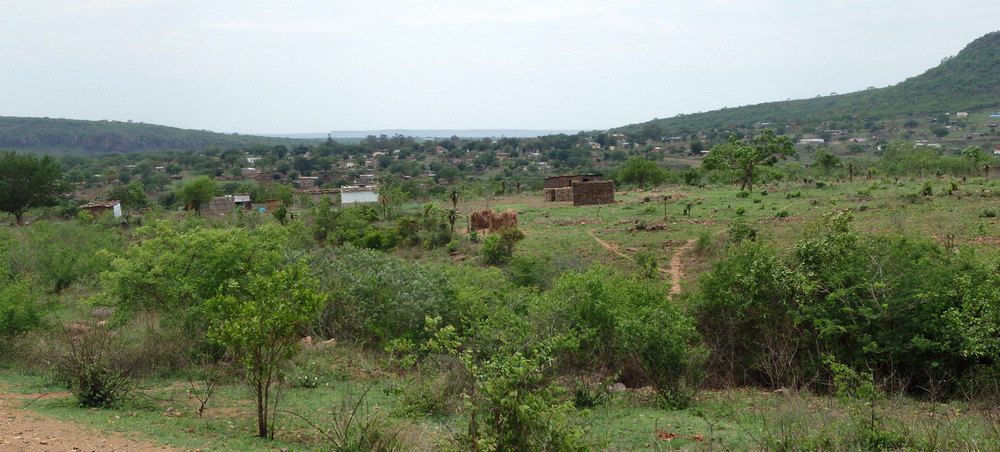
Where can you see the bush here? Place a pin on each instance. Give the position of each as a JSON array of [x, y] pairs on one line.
[[499, 245], [704, 245], [620, 322], [927, 189], [740, 211], [743, 194], [528, 270], [742, 230], [744, 314], [98, 367], [781, 214], [988, 213], [648, 264], [20, 310], [757, 200], [512, 404], [375, 297]]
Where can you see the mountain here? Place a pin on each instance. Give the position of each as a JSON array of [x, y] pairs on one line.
[[78, 136], [969, 81]]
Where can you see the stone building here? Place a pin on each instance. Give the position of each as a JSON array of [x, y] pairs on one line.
[[580, 189]]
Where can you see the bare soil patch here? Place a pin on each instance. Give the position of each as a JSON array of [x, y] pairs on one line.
[[23, 430]]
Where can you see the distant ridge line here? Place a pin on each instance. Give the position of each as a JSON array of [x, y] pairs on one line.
[[447, 133]]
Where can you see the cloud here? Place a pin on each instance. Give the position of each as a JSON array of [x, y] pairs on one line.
[[280, 26], [103, 6], [510, 12]]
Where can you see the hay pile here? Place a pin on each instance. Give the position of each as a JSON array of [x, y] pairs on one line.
[[490, 219]]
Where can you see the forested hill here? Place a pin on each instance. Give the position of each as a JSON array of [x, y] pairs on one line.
[[969, 81], [77, 136]]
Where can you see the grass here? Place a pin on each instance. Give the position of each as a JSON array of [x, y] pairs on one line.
[[735, 419], [164, 409]]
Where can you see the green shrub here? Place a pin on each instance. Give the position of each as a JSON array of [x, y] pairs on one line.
[[20, 309], [745, 314], [704, 245], [743, 194], [757, 200], [621, 321], [781, 214], [988, 213], [740, 211], [927, 189], [742, 230], [499, 245], [527, 270], [375, 297], [648, 264]]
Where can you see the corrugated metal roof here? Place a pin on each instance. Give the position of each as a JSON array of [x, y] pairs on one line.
[[104, 204]]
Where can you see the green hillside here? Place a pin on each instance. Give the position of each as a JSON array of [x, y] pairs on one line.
[[72, 136], [966, 82]]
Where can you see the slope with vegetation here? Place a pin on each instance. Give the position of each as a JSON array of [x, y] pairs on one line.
[[78, 136], [965, 82]]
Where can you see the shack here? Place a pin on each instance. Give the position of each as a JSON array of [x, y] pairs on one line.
[[97, 208], [580, 189]]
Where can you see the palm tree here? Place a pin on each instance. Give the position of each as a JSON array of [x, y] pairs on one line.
[[453, 194], [452, 218]]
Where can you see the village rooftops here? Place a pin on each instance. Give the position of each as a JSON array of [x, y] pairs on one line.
[[360, 187], [101, 204]]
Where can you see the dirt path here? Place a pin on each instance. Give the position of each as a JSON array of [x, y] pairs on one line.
[[676, 270], [22, 430]]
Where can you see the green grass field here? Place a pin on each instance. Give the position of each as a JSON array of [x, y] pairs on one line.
[[340, 390]]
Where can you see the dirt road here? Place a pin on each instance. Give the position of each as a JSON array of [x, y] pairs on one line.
[[23, 430]]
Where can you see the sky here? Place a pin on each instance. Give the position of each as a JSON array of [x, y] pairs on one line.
[[312, 66]]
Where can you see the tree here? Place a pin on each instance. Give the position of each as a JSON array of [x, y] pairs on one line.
[[939, 131], [259, 324], [449, 172], [131, 195], [641, 171], [743, 157], [651, 131], [198, 191], [27, 181], [827, 160], [156, 181]]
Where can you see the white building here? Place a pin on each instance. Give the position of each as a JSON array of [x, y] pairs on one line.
[[352, 194]]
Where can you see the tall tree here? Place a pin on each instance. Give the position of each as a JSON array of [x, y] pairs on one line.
[[640, 171], [27, 181], [827, 160], [744, 156], [198, 191]]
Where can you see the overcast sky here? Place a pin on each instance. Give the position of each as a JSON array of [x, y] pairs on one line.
[[297, 66]]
